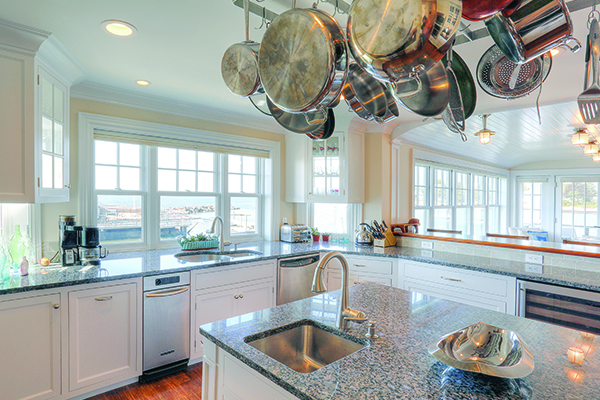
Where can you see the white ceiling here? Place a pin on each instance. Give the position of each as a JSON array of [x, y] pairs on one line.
[[179, 45]]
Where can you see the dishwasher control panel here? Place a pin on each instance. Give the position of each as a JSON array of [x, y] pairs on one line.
[[164, 281]]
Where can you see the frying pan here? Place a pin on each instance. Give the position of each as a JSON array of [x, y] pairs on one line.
[[434, 96], [295, 122]]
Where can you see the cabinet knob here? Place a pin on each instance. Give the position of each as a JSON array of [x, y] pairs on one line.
[[236, 296], [56, 306], [241, 296], [68, 186]]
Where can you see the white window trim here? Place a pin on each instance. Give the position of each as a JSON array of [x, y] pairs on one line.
[[89, 122]]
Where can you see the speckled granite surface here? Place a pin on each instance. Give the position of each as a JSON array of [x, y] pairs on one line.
[[398, 365], [135, 264]]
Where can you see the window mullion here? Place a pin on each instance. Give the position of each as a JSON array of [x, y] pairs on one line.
[[153, 198]]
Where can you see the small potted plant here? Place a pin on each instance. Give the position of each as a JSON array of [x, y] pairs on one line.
[[325, 236], [315, 234], [201, 241]]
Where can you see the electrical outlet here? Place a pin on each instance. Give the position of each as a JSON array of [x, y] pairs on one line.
[[427, 245], [426, 253], [534, 268], [284, 219], [534, 258]]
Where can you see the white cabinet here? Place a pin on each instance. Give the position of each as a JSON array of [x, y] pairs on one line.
[[374, 269], [30, 347], [230, 292], [103, 334], [484, 290], [34, 131], [322, 171]]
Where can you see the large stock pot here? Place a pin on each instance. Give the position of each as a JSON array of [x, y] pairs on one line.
[[395, 39], [302, 60]]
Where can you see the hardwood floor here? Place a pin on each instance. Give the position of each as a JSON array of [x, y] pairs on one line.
[[185, 385]]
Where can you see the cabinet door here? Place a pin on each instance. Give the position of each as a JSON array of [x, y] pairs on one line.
[[30, 348], [210, 307], [255, 297], [52, 155], [102, 335], [459, 297], [334, 280]]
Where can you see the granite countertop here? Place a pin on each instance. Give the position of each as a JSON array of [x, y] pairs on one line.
[[398, 366], [145, 263]]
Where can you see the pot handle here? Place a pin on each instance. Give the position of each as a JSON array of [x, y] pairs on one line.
[[575, 47], [317, 119]]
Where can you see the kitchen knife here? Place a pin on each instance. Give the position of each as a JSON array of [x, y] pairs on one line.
[[384, 225]]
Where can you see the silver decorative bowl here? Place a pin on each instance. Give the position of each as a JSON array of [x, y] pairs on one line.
[[485, 349]]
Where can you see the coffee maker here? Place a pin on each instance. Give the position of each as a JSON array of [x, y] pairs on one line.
[[79, 244]]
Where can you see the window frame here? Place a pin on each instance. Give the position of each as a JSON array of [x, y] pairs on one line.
[[271, 192]]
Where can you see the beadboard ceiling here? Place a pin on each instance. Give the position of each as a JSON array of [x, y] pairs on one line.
[[179, 44]]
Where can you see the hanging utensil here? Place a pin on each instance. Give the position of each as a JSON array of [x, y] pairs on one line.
[[454, 114], [239, 66], [434, 95], [326, 131], [494, 73], [534, 28], [466, 83], [302, 60], [589, 100], [478, 10], [364, 94], [296, 122]]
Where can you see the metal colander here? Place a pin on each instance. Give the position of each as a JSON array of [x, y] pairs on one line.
[[495, 71]]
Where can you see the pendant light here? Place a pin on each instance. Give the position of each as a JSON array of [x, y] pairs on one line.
[[596, 157], [591, 148], [485, 135], [580, 137]]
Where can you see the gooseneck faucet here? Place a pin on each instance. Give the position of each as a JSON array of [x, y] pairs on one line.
[[212, 230], [345, 313]]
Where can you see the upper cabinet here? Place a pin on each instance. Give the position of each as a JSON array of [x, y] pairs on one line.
[[325, 171], [34, 116]]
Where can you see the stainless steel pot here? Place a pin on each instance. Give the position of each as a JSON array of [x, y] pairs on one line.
[[297, 122], [478, 10], [364, 94], [239, 66], [302, 60], [534, 28], [434, 96], [326, 131], [392, 39]]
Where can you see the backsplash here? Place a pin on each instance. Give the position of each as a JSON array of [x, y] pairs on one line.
[[498, 253]]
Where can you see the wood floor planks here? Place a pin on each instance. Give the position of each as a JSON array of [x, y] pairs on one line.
[[186, 385]]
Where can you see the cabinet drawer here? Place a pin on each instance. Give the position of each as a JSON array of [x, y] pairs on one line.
[[370, 265], [358, 279], [204, 280], [460, 279]]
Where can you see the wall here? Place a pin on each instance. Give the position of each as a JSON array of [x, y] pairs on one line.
[[378, 198], [50, 212]]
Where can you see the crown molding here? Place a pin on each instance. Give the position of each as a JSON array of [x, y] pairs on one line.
[[21, 37], [55, 55], [111, 95]]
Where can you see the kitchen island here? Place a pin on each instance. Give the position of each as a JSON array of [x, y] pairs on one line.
[[397, 365]]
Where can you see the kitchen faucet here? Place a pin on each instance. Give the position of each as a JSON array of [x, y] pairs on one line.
[[212, 230], [345, 313]]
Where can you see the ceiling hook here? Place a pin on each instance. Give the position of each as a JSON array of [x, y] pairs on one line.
[[335, 9], [262, 22]]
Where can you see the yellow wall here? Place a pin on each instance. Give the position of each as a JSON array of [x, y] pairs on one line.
[[377, 177], [50, 212]]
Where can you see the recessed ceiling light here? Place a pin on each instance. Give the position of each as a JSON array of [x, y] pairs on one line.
[[119, 28], [142, 82]]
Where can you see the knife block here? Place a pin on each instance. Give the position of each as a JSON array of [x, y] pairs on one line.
[[389, 241]]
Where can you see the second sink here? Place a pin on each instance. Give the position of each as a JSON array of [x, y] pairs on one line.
[[304, 346]]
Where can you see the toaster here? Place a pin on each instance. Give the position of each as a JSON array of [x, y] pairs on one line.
[[295, 233]]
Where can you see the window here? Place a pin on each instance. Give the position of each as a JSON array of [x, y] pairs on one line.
[[339, 219], [460, 200], [531, 204], [579, 209], [178, 191]]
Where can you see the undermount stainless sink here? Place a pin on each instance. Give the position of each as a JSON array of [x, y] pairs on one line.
[[304, 346], [198, 257]]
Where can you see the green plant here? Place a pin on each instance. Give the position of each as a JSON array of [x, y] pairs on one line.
[[326, 234], [201, 237], [314, 231]]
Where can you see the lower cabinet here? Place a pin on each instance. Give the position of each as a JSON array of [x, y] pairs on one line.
[[30, 329], [362, 269], [485, 290], [230, 293], [226, 378], [103, 334]]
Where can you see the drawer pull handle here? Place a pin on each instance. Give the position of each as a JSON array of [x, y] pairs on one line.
[[167, 293], [241, 296], [105, 298], [236, 297], [360, 265], [357, 282], [56, 306], [451, 279]]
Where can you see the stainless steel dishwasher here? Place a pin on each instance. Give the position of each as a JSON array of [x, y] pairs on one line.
[[166, 324], [294, 278]]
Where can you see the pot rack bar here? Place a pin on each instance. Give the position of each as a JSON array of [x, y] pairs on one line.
[[466, 35]]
